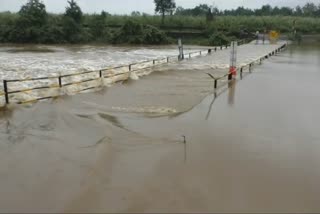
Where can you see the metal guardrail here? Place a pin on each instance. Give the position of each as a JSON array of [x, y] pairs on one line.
[[100, 74], [250, 65]]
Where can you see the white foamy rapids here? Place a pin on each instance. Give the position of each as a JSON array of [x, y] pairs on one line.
[[77, 59], [18, 64], [134, 76], [59, 61], [147, 110]]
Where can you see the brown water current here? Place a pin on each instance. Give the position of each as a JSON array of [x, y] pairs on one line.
[[253, 146]]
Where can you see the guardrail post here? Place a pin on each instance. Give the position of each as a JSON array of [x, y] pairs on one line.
[[5, 88], [215, 84], [209, 51], [181, 54], [167, 59], [130, 67], [100, 73], [215, 49], [189, 55], [241, 72], [60, 82], [200, 53], [153, 61], [250, 67]]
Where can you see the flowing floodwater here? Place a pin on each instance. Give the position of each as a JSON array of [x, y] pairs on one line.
[[38, 61], [253, 146], [50, 62]]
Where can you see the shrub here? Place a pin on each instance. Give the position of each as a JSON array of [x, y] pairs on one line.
[[218, 39], [154, 36], [134, 33]]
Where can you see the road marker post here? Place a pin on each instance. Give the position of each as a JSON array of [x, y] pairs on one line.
[[181, 55], [233, 59]]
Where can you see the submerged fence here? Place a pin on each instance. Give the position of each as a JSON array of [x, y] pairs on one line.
[[42, 86], [229, 75]]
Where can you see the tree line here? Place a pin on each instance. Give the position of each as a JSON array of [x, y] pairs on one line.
[[308, 10], [33, 24]]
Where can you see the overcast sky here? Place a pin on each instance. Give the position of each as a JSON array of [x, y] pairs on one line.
[[126, 6]]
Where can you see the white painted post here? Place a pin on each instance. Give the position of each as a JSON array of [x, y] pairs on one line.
[[233, 58], [257, 37], [181, 54]]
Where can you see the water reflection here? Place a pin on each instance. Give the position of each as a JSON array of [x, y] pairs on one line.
[[211, 104], [232, 92]]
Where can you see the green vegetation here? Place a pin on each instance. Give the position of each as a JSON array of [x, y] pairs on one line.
[[308, 10], [134, 33], [219, 39], [201, 25], [165, 6]]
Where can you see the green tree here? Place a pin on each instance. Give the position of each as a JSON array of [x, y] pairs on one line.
[[265, 10], [298, 11], [276, 11], [34, 13], [72, 21], [286, 11], [309, 9], [241, 11], [201, 10], [180, 11], [318, 11], [164, 7], [53, 30], [209, 15], [29, 27], [135, 13], [98, 26], [74, 11]]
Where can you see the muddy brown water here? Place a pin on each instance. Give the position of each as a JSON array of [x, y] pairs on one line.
[[254, 147]]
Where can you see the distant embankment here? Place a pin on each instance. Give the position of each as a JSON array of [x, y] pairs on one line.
[[311, 39], [174, 31], [305, 38]]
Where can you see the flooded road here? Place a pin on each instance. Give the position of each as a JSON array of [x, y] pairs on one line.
[[252, 147]]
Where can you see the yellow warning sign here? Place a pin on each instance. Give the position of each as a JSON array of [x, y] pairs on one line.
[[274, 36]]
